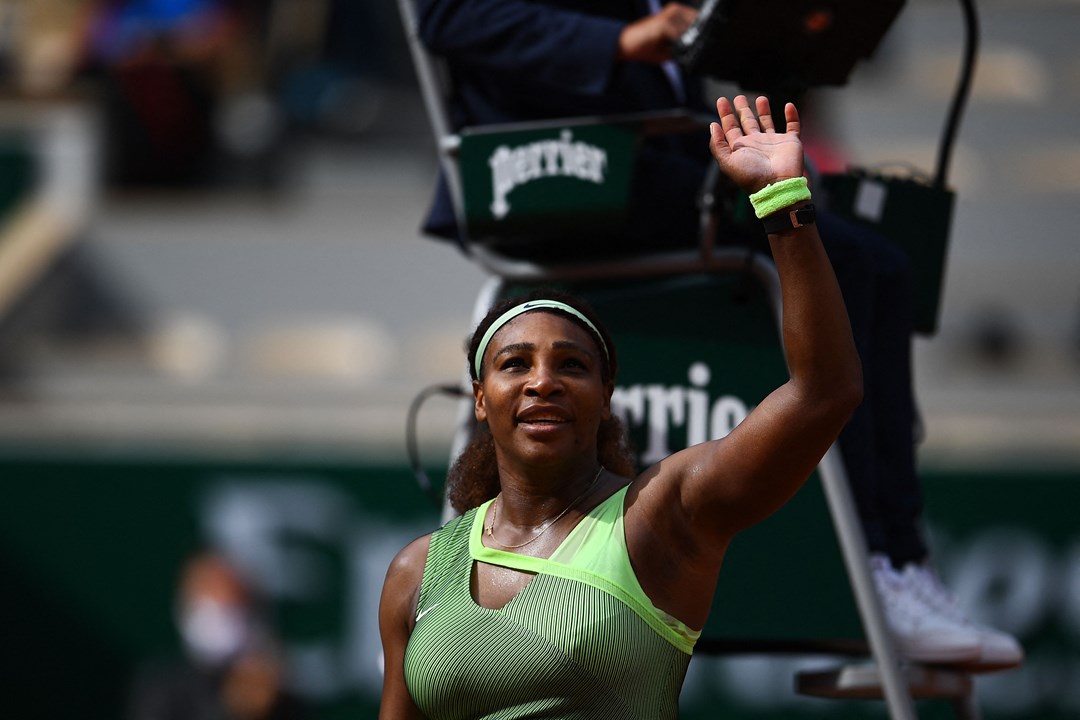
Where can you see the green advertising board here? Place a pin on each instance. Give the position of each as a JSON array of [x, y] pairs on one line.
[[90, 548]]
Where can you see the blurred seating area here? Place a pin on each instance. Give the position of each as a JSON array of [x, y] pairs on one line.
[[130, 127], [197, 91]]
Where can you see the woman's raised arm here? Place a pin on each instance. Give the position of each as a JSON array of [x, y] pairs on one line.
[[685, 509]]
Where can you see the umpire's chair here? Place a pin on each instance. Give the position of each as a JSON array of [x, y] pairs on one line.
[[678, 385]]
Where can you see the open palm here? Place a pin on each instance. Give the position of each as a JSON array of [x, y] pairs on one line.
[[749, 150]]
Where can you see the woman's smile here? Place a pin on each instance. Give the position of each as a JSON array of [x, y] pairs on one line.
[[543, 421], [544, 416]]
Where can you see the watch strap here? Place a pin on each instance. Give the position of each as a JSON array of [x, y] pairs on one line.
[[789, 219]]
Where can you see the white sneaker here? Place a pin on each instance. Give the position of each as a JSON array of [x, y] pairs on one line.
[[998, 650], [920, 633]]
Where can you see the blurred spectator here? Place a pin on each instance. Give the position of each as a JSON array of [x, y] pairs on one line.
[[231, 669], [337, 61], [121, 31], [162, 67]]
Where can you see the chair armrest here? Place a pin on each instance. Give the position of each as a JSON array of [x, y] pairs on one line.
[[661, 122]]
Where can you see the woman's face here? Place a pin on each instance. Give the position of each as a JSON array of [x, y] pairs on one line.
[[542, 394]]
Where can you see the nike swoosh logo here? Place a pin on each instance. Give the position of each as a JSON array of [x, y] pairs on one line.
[[425, 611]]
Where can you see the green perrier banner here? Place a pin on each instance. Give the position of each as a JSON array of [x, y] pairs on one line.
[[532, 184]]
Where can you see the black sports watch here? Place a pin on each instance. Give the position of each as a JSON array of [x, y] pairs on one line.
[[790, 219]]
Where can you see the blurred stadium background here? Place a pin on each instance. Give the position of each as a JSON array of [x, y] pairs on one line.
[[216, 307]]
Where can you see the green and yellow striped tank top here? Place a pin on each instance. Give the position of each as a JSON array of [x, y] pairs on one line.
[[580, 641]]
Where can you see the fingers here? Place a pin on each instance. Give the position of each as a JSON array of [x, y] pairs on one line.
[[791, 117], [717, 140], [765, 114], [747, 119], [738, 119], [729, 122]]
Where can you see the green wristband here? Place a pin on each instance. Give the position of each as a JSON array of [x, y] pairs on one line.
[[779, 195]]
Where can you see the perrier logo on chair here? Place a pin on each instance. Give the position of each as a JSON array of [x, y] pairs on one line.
[[538, 181], [512, 167]]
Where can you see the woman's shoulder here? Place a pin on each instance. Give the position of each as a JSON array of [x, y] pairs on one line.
[[409, 561], [401, 588]]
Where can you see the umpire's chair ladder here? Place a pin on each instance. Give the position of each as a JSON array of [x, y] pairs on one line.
[[705, 269]]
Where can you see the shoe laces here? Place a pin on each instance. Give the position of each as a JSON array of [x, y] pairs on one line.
[[925, 584], [900, 604]]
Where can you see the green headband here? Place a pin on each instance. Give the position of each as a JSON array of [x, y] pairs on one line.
[[524, 308]]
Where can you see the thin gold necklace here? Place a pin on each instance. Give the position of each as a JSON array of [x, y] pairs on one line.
[[544, 526]]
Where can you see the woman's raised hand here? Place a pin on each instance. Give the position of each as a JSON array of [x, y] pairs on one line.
[[748, 147]]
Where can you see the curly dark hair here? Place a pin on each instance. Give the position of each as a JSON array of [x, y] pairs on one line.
[[474, 475]]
